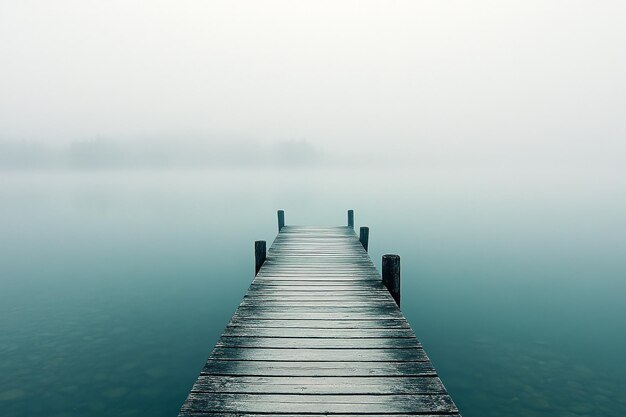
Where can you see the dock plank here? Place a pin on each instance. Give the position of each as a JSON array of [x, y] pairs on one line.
[[318, 355], [318, 404], [318, 385], [376, 323], [312, 368], [317, 343], [299, 332]]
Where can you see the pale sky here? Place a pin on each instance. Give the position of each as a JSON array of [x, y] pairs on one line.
[[411, 76]]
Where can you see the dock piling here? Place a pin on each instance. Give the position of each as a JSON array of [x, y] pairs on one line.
[[364, 237], [351, 218], [281, 219], [260, 253], [391, 275]]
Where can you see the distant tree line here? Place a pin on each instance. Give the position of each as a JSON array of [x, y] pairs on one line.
[[107, 154]]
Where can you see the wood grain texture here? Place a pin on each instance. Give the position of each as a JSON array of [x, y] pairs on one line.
[[318, 333], [321, 385], [317, 343], [318, 404], [311, 368], [221, 414]]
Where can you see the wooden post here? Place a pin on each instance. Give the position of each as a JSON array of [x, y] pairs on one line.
[[391, 275], [260, 254], [364, 236], [351, 218], [281, 219]]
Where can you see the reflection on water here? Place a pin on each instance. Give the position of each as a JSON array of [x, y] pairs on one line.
[[115, 286]]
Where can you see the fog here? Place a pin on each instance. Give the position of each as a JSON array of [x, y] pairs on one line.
[[146, 145], [445, 83]]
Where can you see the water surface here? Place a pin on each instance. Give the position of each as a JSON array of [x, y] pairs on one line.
[[114, 286]]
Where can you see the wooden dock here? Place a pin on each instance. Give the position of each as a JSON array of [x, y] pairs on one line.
[[318, 333]]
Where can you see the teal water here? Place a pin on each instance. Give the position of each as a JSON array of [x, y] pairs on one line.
[[115, 286]]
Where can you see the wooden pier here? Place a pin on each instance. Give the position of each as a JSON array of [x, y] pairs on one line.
[[319, 333]]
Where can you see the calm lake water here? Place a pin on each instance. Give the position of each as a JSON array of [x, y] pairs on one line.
[[114, 286]]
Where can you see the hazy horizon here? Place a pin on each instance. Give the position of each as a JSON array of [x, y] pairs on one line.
[[442, 82]]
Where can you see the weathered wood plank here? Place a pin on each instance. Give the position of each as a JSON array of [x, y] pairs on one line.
[[299, 332], [319, 385], [222, 414], [317, 304], [311, 368], [294, 283], [376, 323], [315, 291], [379, 309], [317, 343], [303, 300], [319, 404], [314, 315], [319, 355]]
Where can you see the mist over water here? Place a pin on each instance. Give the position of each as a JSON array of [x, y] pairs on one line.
[[143, 148], [430, 82], [116, 285]]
